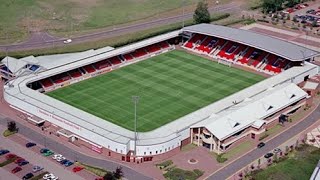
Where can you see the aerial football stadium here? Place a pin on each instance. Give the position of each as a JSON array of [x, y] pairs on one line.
[[210, 85]]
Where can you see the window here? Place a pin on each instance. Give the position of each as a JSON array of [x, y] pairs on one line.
[[150, 152], [160, 151], [237, 124], [270, 107], [156, 152], [116, 150], [165, 150], [144, 153]]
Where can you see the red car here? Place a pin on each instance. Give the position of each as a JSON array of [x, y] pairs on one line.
[[19, 160], [77, 169], [10, 156], [16, 169]]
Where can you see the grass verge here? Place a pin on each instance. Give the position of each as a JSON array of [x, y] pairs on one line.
[[177, 174], [7, 133], [6, 162], [95, 170], [299, 165]]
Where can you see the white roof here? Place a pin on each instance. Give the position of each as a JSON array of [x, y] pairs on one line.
[[260, 107], [13, 64], [310, 85]]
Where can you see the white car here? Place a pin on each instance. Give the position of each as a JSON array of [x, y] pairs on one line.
[[67, 41], [60, 158], [54, 178], [48, 176], [56, 156]]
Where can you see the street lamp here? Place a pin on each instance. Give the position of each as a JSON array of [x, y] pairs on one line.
[[135, 100]]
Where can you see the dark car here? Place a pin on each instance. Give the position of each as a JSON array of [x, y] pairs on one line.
[[22, 163], [27, 176], [68, 163], [30, 144], [4, 151], [44, 150], [268, 155], [64, 161], [18, 160], [260, 145]]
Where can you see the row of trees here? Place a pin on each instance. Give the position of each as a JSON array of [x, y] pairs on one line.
[[276, 5]]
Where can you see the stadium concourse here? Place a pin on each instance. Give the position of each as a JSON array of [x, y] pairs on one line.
[[218, 126]]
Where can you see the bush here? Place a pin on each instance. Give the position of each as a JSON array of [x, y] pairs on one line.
[[165, 164], [221, 159], [7, 133], [198, 172], [177, 174]]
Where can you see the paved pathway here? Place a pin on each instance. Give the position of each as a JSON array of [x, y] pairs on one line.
[[237, 165], [35, 158], [71, 153], [49, 41]]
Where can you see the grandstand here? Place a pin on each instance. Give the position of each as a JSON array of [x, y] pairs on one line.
[[287, 65]]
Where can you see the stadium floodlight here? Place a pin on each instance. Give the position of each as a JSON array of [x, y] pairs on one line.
[[135, 100]]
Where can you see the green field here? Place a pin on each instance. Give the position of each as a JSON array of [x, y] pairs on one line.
[[170, 86]]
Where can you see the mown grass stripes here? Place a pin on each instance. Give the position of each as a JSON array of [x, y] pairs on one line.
[[170, 86]]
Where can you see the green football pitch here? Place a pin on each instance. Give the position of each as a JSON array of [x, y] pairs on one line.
[[169, 85]]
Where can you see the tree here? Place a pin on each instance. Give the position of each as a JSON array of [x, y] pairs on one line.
[[118, 174], [201, 14], [12, 126], [272, 5], [109, 176]]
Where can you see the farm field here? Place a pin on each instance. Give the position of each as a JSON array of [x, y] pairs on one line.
[[68, 17], [170, 86]]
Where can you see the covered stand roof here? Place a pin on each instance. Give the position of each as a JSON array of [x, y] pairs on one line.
[[252, 112], [269, 44]]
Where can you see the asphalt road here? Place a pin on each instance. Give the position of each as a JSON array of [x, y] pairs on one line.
[[71, 154], [270, 145], [43, 40]]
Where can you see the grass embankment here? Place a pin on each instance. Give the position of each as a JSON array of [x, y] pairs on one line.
[[170, 86], [7, 133], [298, 166]]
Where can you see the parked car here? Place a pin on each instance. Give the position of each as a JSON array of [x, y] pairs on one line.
[[63, 161], [260, 145], [268, 155], [27, 176], [59, 159], [48, 176], [22, 163], [30, 144], [48, 153], [36, 168], [10, 156], [3, 152], [18, 160], [16, 169], [277, 150], [77, 169], [68, 163], [56, 156], [44, 150]]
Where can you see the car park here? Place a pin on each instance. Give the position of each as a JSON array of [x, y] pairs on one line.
[[260, 145], [22, 163], [3, 152], [28, 176], [16, 169], [268, 155], [30, 144], [36, 168], [77, 169]]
